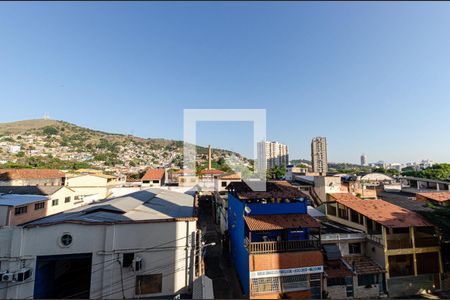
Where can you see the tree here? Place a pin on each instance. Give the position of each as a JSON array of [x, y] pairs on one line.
[[392, 172], [50, 130], [277, 172], [303, 166]]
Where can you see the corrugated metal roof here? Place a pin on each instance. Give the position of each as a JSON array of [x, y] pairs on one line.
[[17, 200], [278, 222], [381, 211], [150, 204], [332, 251]]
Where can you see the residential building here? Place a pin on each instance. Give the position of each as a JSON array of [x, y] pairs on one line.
[[275, 244], [221, 181], [364, 160], [399, 240], [98, 185], [40, 177], [349, 271], [272, 154], [319, 155], [435, 198], [18, 209], [26, 209], [324, 185], [136, 246], [153, 177]]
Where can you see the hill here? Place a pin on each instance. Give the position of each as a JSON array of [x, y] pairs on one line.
[[38, 143]]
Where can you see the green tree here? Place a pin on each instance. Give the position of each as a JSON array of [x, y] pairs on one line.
[[50, 130]]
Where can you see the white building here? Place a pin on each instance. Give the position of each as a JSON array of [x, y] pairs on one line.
[[139, 245], [272, 154], [363, 160]]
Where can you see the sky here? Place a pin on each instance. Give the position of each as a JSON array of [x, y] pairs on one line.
[[372, 77]]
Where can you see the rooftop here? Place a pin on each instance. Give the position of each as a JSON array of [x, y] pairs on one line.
[[363, 265], [436, 196], [151, 205], [211, 172], [18, 200], [336, 268], [30, 190], [273, 190], [279, 222], [153, 174], [381, 211], [14, 174]]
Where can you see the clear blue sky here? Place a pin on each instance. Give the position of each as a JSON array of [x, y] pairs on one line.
[[371, 77]]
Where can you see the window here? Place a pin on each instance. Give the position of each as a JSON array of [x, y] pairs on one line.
[[148, 284], [127, 259], [265, 285], [146, 181], [39, 205], [55, 202], [192, 179], [224, 183], [67, 199], [331, 209], [294, 283], [336, 281], [66, 240], [367, 279], [76, 198], [354, 248], [342, 212], [20, 210]]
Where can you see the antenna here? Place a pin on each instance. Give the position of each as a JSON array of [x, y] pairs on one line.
[[46, 117]]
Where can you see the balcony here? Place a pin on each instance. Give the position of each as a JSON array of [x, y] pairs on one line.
[[281, 246]]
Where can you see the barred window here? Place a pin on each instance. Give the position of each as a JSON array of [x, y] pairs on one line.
[[314, 279], [294, 283], [264, 285]]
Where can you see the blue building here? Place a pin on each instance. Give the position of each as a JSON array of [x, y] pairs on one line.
[[275, 244]]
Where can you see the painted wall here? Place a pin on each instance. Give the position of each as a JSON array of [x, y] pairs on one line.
[[175, 261], [236, 228], [278, 208]]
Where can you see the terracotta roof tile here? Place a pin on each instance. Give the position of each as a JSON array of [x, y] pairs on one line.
[[276, 189], [13, 174], [278, 222], [336, 268], [211, 172], [153, 174], [436, 196], [383, 212]]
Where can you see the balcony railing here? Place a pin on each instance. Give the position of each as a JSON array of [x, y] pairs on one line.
[[281, 246]]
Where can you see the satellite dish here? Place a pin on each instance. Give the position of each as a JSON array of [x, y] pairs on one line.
[[247, 210]]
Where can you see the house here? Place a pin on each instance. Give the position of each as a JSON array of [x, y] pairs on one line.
[[18, 209], [435, 198], [275, 244], [349, 271], [41, 177], [221, 181], [60, 198], [153, 177], [138, 245], [399, 240], [98, 184], [185, 177]]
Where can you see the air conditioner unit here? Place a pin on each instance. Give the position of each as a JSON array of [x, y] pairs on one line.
[[23, 274], [137, 263], [7, 277]]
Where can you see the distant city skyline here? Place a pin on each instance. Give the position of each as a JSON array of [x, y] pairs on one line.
[[370, 77]]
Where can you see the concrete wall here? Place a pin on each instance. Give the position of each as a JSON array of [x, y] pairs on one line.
[[22, 182], [174, 261], [324, 185]]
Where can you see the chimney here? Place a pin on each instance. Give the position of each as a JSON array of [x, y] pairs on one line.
[[209, 157]]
